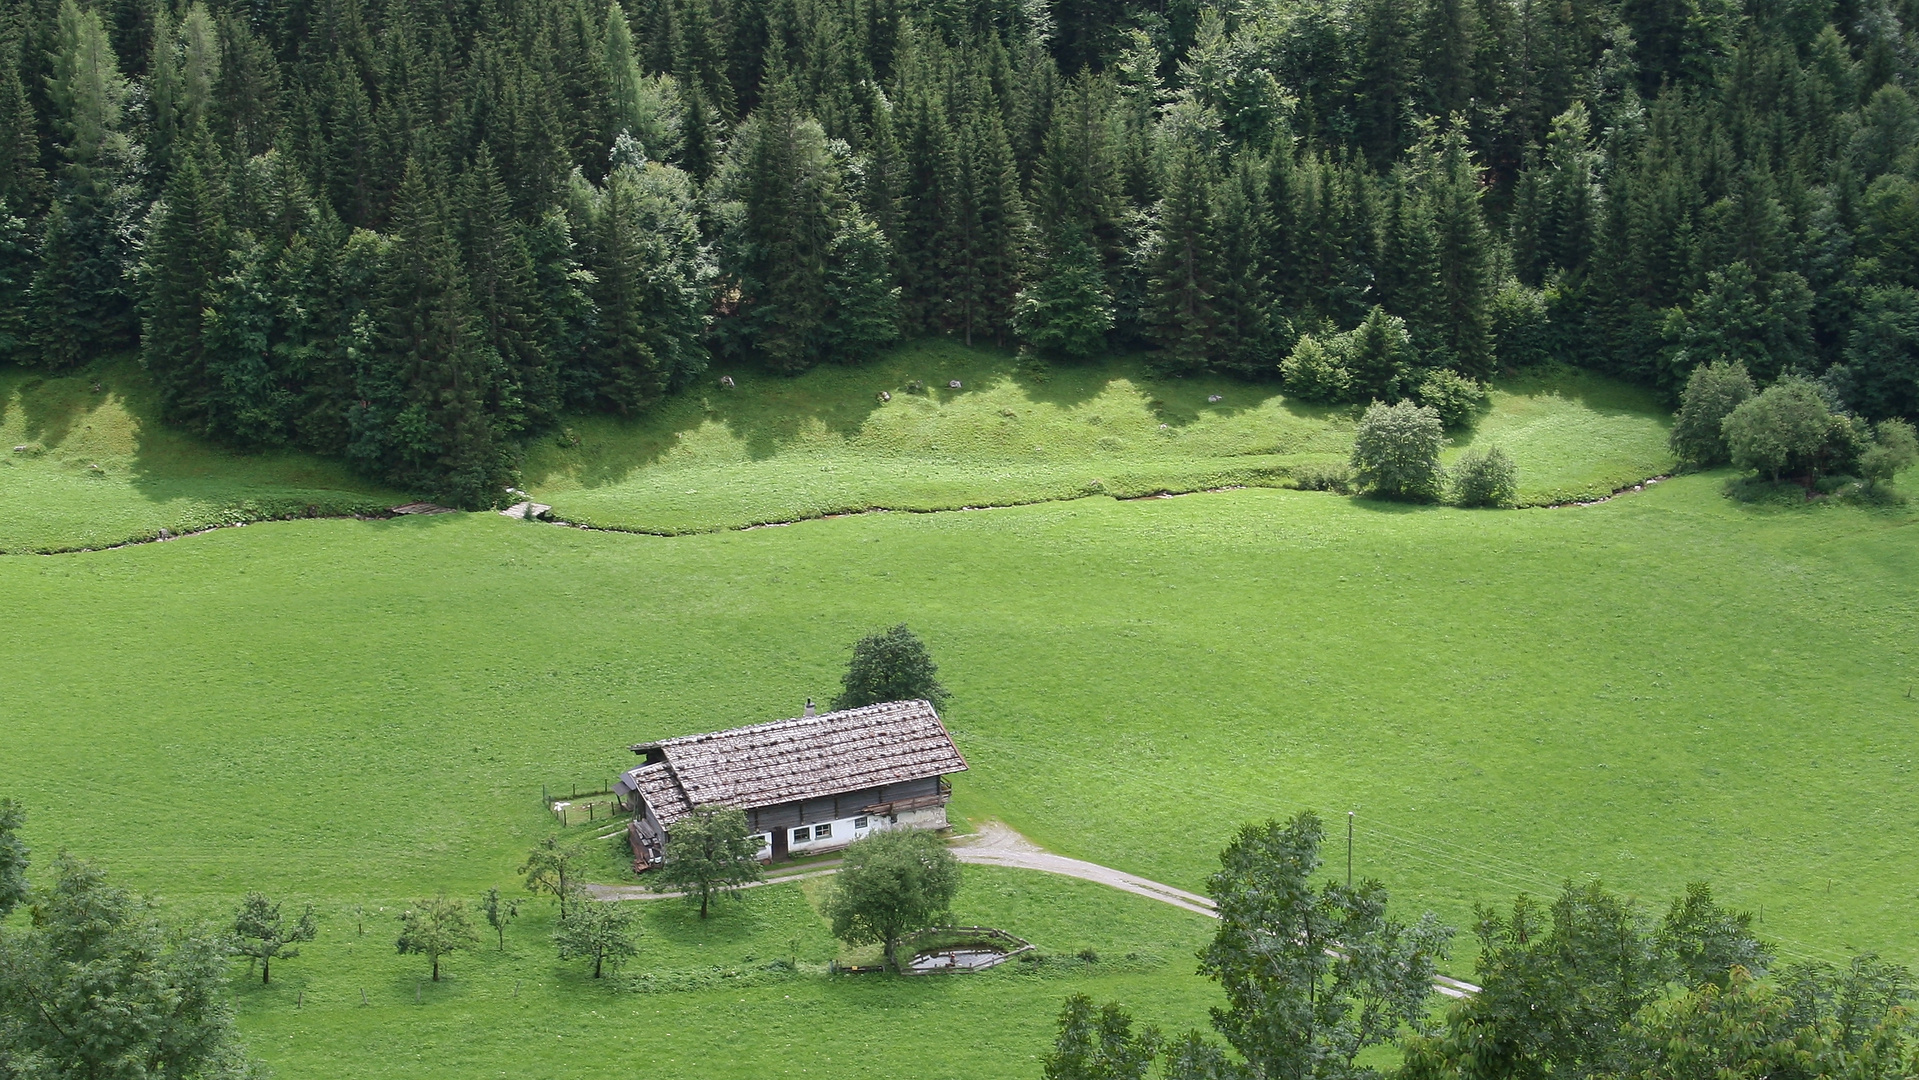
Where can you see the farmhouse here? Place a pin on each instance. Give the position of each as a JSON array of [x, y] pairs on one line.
[[809, 784]]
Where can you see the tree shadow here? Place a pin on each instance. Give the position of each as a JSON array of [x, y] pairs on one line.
[[52, 406], [1397, 507]]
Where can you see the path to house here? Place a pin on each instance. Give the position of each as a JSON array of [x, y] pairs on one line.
[[996, 845]]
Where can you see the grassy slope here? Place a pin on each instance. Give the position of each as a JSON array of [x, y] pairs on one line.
[[82, 469], [776, 449], [1668, 687]]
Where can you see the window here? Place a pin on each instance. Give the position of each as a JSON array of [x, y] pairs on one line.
[[859, 823], [821, 832], [801, 835]]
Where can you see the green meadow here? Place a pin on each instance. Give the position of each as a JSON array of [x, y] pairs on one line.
[[1671, 686], [86, 463], [775, 449]]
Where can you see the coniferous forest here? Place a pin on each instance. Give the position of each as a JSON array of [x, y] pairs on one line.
[[410, 233]]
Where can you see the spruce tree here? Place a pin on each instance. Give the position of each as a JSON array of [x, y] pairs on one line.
[[1244, 331], [81, 302], [1410, 272], [787, 190], [1185, 267], [931, 201], [1464, 260], [428, 376], [16, 268], [184, 261], [1380, 358], [863, 304], [1067, 310], [499, 274], [22, 180]]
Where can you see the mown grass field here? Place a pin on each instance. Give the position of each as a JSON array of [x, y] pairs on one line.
[[1667, 687], [778, 449], [86, 468]]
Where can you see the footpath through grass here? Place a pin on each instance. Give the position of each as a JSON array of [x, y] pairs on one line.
[[1672, 686], [775, 449], [87, 468]]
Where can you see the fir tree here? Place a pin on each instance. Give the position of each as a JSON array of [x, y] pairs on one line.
[[1185, 268], [432, 377], [863, 310], [185, 259], [81, 302], [1244, 332], [500, 280], [1464, 261]]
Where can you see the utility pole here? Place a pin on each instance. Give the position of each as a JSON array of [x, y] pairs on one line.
[[1349, 849]]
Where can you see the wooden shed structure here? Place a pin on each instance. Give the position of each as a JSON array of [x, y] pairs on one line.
[[809, 784]]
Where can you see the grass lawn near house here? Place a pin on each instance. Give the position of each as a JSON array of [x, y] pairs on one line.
[[1669, 687], [81, 468], [777, 449], [716, 998]]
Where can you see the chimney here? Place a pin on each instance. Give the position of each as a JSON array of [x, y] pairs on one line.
[[810, 711]]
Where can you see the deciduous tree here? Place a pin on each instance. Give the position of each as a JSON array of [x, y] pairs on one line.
[[13, 856], [891, 665], [710, 852], [261, 932], [1396, 451], [435, 928], [1313, 976], [601, 933], [99, 986], [890, 884], [1712, 391]]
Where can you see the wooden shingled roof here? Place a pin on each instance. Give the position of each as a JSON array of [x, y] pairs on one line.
[[787, 760]]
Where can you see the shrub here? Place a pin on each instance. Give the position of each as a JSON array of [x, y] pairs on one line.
[[1452, 395], [1712, 392], [1784, 430], [1487, 479], [1331, 476], [1396, 451], [1521, 326], [1316, 370], [1895, 450]]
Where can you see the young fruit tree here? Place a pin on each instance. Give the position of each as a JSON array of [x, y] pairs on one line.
[[1396, 451], [889, 885], [892, 665], [500, 913], [433, 928], [600, 933], [259, 931], [549, 869], [710, 852]]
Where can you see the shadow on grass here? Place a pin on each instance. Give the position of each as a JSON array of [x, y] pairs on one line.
[[1380, 504], [52, 405]]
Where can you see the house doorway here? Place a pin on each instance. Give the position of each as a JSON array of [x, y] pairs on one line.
[[779, 845]]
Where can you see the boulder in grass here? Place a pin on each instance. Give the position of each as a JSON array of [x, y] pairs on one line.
[[954, 384]]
